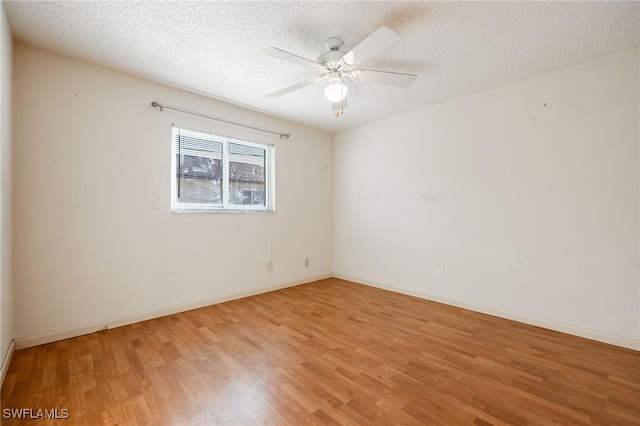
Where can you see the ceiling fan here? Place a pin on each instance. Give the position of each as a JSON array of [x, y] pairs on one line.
[[336, 65]]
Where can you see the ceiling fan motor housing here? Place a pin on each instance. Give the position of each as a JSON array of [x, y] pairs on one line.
[[331, 56], [333, 60]]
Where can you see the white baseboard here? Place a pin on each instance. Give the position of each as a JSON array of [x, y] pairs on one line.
[[67, 333], [611, 339], [6, 362], [80, 330]]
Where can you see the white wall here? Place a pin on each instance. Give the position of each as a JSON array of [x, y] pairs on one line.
[[6, 276], [526, 195], [95, 242]]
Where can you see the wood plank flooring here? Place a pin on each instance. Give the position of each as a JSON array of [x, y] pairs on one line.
[[326, 353]]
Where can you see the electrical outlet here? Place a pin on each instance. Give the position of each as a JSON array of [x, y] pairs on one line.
[[440, 273], [306, 262], [236, 271]]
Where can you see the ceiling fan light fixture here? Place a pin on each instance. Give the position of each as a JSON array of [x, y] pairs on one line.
[[336, 91]]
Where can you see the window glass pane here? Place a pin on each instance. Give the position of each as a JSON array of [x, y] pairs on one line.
[[198, 171], [213, 173], [246, 175]]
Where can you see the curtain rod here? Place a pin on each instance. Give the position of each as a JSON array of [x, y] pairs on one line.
[[157, 105]]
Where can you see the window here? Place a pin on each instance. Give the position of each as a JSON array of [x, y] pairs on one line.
[[214, 173]]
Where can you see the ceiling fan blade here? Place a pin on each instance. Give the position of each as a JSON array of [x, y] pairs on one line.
[[384, 77], [294, 87], [378, 40], [286, 56]]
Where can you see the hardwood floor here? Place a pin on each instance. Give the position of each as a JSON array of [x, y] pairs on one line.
[[330, 352]]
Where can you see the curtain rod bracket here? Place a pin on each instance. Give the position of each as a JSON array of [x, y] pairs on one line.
[[157, 105]]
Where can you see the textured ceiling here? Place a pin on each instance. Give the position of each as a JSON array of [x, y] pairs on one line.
[[455, 48]]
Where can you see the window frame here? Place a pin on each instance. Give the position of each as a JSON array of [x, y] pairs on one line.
[[226, 206]]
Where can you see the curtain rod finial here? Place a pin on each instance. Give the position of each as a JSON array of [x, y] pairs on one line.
[[155, 104]]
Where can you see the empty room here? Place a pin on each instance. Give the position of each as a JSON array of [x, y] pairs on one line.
[[319, 213]]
